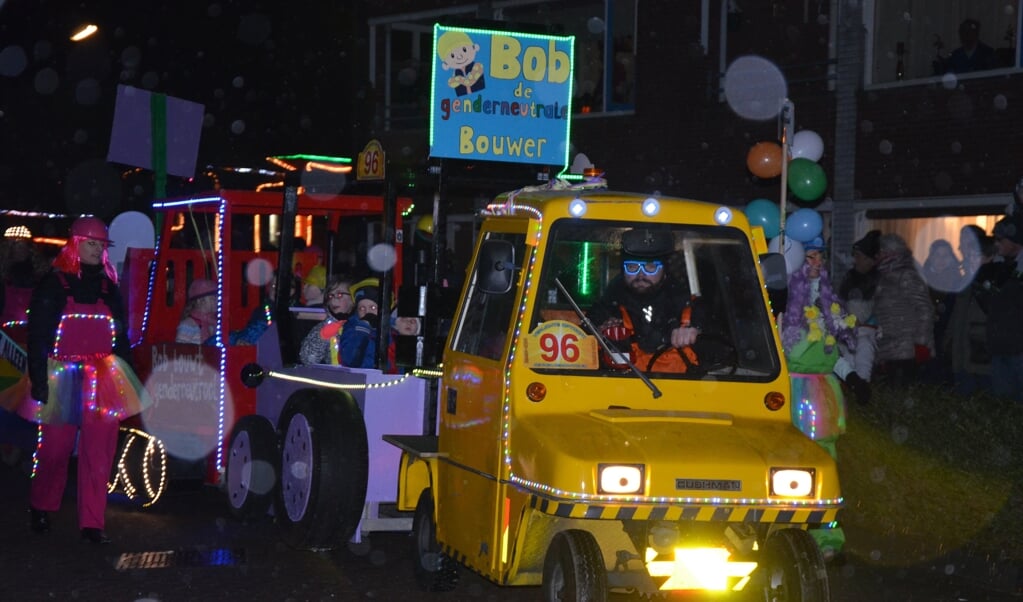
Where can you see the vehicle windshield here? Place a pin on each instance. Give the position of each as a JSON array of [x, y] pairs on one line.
[[701, 276]]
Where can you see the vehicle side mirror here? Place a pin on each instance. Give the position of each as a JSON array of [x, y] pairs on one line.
[[776, 275], [495, 269]]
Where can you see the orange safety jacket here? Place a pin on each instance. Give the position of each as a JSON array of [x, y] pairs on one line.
[[668, 360]]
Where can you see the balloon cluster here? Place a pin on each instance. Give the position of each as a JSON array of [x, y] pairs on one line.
[[801, 226], [806, 181], [806, 178]]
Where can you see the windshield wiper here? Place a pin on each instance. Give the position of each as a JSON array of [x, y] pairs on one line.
[[604, 344]]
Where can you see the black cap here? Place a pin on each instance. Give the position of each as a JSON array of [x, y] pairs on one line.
[[1011, 228], [870, 244], [645, 242]]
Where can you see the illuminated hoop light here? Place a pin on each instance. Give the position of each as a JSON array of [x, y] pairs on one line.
[[154, 450]]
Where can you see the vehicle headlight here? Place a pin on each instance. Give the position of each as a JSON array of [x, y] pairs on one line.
[[617, 479], [792, 482]]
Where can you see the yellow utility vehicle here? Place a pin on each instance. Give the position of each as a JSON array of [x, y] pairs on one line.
[[554, 465]]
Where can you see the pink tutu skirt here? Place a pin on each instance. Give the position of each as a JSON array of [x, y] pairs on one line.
[[106, 385]]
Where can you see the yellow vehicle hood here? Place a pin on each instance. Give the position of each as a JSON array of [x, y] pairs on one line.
[[686, 455]]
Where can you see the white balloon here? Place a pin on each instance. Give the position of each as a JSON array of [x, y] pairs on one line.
[[807, 144], [794, 253]]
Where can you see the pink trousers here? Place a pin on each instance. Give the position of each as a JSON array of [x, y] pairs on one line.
[[96, 449]]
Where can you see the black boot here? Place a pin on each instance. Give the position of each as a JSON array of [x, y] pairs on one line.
[[94, 535], [860, 388], [40, 521]]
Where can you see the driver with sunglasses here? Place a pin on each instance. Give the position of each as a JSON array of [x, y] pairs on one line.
[[646, 309]]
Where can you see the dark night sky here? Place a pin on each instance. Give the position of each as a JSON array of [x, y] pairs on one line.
[[275, 78]]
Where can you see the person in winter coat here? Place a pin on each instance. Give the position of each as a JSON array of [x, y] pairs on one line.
[[857, 292], [904, 311], [1002, 297], [965, 340], [320, 346], [80, 380]]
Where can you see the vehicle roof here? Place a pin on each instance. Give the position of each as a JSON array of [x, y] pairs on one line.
[[269, 201], [610, 204]]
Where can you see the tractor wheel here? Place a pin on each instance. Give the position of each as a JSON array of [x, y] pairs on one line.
[[324, 469], [251, 467]]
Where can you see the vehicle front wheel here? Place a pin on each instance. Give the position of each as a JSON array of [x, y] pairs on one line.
[[324, 470], [792, 569], [573, 570], [435, 571], [250, 473]]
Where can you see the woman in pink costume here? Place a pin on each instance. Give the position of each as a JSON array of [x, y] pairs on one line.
[[80, 381]]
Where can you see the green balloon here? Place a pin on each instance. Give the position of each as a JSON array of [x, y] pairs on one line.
[[806, 179]]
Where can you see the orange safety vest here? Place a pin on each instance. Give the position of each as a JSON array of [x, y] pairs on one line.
[[678, 360]]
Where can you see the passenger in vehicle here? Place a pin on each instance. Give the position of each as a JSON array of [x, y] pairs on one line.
[[313, 285], [647, 310], [359, 335], [321, 345], [199, 318]]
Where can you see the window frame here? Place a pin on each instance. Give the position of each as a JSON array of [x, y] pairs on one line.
[[988, 35]]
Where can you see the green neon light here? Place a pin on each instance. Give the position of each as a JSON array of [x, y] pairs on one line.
[[585, 283], [322, 158]]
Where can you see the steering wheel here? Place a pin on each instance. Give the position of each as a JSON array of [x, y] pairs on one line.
[[727, 358], [721, 350]]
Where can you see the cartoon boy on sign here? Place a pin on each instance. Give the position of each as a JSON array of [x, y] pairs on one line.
[[458, 53]]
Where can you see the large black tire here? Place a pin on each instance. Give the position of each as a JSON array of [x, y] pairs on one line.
[[792, 569], [574, 570], [324, 468], [250, 472], [435, 571]]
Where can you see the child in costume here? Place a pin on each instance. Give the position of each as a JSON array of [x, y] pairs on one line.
[[80, 383], [812, 326]]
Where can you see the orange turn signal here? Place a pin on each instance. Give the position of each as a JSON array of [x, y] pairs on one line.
[[774, 401], [536, 391]]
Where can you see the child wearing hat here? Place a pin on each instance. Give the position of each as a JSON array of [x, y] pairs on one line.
[[360, 333], [358, 343], [199, 318]]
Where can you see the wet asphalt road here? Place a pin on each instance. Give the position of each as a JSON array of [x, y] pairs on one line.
[[188, 547]]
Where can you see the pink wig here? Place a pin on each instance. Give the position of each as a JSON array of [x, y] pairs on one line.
[[68, 260]]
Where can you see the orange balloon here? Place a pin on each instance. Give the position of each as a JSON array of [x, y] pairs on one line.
[[764, 159]]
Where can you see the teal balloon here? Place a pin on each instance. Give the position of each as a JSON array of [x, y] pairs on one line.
[[804, 225], [766, 214], [806, 179]]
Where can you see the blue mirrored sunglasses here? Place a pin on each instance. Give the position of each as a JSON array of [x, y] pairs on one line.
[[633, 267]]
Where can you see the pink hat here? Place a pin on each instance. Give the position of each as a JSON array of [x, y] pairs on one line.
[[201, 288], [92, 228]]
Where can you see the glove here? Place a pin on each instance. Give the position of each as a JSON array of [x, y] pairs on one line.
[[921, 353], [372, 319], [41, 393]]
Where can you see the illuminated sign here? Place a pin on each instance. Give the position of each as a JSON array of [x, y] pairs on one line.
[[500, 96]]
